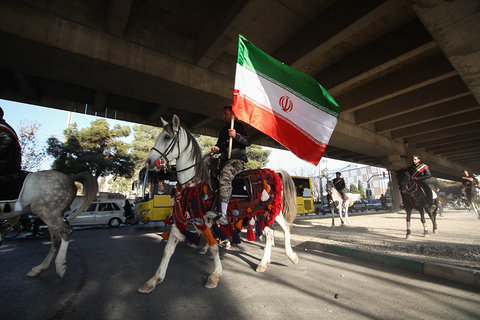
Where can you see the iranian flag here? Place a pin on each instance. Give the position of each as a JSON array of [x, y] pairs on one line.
[[283, 103]]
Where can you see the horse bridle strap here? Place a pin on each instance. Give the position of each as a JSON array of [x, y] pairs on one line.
[[169, 147]]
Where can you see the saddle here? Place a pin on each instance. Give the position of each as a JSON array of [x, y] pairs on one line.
[[256, 199], [11, 185]]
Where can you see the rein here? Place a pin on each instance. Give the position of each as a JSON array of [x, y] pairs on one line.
[[410, 193]]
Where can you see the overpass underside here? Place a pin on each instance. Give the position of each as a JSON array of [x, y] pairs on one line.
[[405, 73]]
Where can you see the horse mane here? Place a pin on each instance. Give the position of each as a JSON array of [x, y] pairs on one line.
[[201, 167]]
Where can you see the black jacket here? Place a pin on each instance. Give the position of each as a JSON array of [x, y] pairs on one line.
[[239, 144], [339, 184], [10, 151], [423, 175]]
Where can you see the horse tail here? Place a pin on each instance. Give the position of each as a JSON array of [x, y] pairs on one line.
[[90, 189], [289, 196]]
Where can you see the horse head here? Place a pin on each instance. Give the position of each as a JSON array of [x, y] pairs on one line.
[[329, 186], [404, 179], [166, 147]]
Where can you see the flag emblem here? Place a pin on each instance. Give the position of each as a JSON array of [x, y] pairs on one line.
[[286, 103]]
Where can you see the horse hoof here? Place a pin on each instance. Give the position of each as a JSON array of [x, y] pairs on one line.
[[408, 236], [435, 231], [212, 282], [61, 270], [294, 258], [33, 273], [261, 268], [146, 288]]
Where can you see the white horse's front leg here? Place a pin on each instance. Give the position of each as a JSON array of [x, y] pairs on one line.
[[347, 221], [159, 276], [267, 252], [213, 279], [286, 231], [340, 214]]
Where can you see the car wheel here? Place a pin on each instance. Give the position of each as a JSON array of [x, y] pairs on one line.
[[114, 223]]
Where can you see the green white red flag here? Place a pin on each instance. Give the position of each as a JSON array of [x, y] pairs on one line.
[[283, 103]]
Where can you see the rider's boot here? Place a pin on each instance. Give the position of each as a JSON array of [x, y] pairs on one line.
[[223, 215]]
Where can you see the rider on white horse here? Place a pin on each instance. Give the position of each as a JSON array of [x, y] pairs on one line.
[[236, 163], [339, 184], [10, 156]]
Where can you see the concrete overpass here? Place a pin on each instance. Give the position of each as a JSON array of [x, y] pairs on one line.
[[405, 73]]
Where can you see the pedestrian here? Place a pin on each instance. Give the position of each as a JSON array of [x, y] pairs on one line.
[[235, 163]]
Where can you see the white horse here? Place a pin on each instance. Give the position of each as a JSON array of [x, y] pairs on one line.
[[175, 143], [335, 201], [47, 194]]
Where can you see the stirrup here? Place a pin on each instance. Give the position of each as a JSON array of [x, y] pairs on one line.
[[223, 219], [211, 214]]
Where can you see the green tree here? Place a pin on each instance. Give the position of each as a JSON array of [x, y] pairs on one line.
[[32, 153], [143, 140], [353, 188], [361, 190], [97, 149]]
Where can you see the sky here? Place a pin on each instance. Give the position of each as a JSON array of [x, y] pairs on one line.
[[53, 122]]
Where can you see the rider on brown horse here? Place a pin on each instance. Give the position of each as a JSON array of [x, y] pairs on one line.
[[420, 173]]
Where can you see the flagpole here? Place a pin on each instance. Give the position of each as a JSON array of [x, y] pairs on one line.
[[231, 138]]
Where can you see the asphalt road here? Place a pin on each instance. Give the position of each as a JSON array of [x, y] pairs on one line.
[[106, 266]]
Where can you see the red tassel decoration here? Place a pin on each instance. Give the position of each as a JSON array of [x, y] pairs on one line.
[[250, 234]]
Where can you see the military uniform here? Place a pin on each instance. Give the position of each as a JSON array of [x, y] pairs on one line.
[[237, 160]]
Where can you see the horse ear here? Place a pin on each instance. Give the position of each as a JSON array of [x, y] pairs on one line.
[[163, 122], [176, 122]]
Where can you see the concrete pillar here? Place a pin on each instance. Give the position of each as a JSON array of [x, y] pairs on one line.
[[396, 196], [395, 162]]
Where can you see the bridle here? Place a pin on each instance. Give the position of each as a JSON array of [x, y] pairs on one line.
[[168, 150]]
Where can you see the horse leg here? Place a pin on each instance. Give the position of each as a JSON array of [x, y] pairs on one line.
[[286, 231], [61, 259], [333, 216], [433, 218], [55, 238], [340, 214], [213, 279], [267, 252], [174, 238], [424, 222], [409, 224], [347, 221]]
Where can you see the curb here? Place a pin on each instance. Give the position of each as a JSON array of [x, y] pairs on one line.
[[454, 273]]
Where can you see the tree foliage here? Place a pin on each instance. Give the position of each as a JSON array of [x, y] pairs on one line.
[[361, 191], [97, 149], [143, 140], [353, 188], [32, 154]]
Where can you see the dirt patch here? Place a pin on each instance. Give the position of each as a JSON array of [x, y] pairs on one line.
[[457, 241]]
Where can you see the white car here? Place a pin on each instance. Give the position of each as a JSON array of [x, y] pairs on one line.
[[98, 213]]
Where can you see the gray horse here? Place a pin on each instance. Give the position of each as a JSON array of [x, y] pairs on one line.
[[48, 194]]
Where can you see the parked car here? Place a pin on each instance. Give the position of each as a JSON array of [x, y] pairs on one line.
[[98, 213], [358, 206], [374, 205]]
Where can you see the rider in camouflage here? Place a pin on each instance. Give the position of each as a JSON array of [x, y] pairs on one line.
[[236, 163]]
